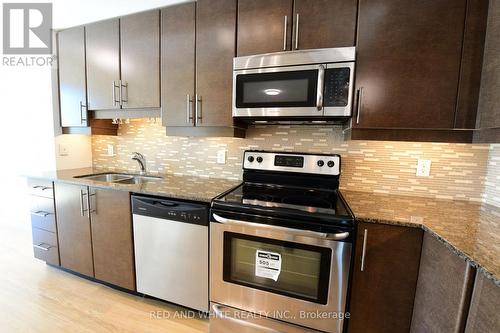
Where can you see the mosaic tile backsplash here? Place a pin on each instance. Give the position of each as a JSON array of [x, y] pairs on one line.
[[458, 171]]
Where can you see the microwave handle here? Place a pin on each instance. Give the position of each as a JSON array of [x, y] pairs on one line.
[[321, 83]]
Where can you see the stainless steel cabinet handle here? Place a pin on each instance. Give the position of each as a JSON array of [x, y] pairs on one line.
[[123, 99], [41, 247], [285, 26], [40, 213], [360, 100], [89, 205], [82, 210], [297, 31], [321, 83], [294, 232], [83, 111], [363, 255], [198, 111], [189, 109], [113, 86], [219, 312]]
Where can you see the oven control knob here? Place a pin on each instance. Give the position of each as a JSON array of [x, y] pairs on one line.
[[250, 159], [331, 164], [259, 159], [321, 163]]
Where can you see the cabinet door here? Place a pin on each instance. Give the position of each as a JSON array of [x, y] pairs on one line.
[[73, 228], [112, 245], [215, 50], [103, 64], [324, 23], [140, 60], [443, 290], [384, 278], [264, 26], [177, 64], [408, 63], [72, 89], [483, 312]]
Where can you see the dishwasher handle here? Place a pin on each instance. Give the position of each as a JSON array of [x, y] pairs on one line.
[[174, 210]]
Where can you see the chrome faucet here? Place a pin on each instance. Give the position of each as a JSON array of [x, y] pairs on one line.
[[141, 160]]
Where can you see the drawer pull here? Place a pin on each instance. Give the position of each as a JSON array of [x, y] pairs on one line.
[[42, 247], [41, 213], [43, 188]]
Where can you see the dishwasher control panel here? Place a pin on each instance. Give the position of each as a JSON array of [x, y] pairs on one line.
[[168, 209]]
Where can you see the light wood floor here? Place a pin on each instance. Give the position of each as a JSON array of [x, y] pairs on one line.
[[35, 297]]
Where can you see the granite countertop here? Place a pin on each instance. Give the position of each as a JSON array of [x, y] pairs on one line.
[[469, 229], [193, 188]]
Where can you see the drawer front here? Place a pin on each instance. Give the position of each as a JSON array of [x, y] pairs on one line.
[[39, 204], [43, 220], [40, 187], [45, 246]]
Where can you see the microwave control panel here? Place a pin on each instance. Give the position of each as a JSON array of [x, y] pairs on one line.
[[337, 81]]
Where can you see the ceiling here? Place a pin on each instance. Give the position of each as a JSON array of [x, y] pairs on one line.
[[68, 13]]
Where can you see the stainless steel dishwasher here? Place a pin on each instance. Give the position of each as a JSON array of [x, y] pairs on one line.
[[171, 250]]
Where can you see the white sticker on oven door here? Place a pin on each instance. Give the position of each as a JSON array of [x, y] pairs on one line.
[[267, 264]]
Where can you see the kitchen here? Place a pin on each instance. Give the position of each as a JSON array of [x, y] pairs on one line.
[[260, 166]]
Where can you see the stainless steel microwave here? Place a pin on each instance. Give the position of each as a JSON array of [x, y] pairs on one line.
[[306, 85]]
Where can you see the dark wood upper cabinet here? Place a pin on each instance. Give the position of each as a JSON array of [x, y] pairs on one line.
[[324, 24], [489, 103], [384, 278], [140, 60], [215, 49], [178, 28], [73, 228], [112, 244], [198, 47], [72, 83], [443, 291], [264, 26], [408, 63], [103, 64]]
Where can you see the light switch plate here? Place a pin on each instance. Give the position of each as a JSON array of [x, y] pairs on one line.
[[63, 150], [221, 156], [423, 168]]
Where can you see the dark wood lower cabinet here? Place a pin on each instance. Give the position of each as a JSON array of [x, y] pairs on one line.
[[75, 243], [112, 243], [95, 233], [444, 289], [485, 304], [384, 282]]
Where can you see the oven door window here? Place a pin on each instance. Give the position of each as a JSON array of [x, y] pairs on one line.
[[296, 270], [277, 89]]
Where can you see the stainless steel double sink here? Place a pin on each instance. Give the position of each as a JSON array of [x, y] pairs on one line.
[[120, 178]]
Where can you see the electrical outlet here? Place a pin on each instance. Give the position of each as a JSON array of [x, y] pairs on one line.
[[221, 157], [423, 168], [63, 150], [111, 150]]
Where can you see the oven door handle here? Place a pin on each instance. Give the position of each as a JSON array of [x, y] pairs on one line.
[[296, 232], [220, 313]]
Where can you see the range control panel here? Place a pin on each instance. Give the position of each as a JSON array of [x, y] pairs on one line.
[[292, 162]]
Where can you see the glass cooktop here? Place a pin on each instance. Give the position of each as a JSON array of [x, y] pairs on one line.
[[296, 198]]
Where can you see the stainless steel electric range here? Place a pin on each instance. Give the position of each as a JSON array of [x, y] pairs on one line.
[[281, 247]]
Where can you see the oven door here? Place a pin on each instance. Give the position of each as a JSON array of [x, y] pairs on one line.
[[279, 92], [293, 275]]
